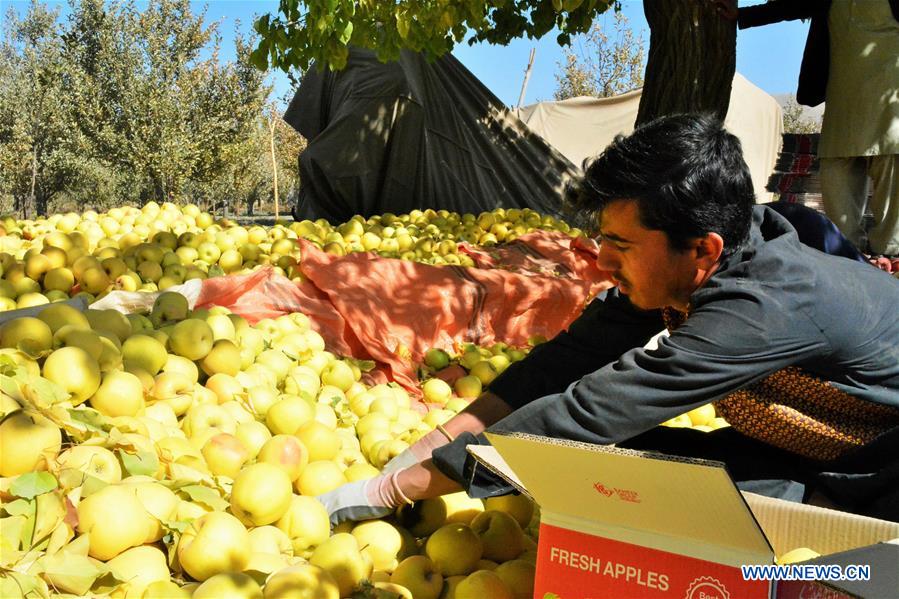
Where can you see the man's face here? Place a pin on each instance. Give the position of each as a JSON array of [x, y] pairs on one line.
[[643, 265]]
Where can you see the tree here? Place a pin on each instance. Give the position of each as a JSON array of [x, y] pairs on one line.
[[37, 155], [692, 51], [795, 120], [603, 67]]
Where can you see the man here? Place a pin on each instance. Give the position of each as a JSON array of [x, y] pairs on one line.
[[799, 350], [849, 61]]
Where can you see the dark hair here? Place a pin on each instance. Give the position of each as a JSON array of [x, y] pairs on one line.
[[686, 173]]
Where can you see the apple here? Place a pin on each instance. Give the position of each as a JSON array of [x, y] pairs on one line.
[[270, 539], [57, 316], [338, 374], [289, 414], [139, 567], [91, 460], [146, 352], [483, 583], [165, 589], [222, 327], [800, 554], [120, 394], [321, 441], [183, 366], [225, 454], [341, 558], [319, 477], [703, 415], [191, 338], [437, 359], [501, 535], [228, 585], [168, 307], [468, 386], [302, 581], [74, 370], [159, 501], [381, 541], [306, 523], [28, 440], [419, 574], [454, 549], [261, 494], [213, 543], [115, 519], [436, 391], [225, 386], [518, 576], [360, 471], [254, 435], [286, 452], [516, 505], [224, 357]]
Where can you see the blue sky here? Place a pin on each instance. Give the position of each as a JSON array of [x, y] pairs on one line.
[[768, 56]]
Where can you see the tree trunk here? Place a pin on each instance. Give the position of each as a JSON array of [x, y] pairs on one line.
[[30, 204], [271, 140], [692, 59]]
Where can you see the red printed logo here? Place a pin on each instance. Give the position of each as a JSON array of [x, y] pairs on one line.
[[603, 490], [707, 587], [623, 494]]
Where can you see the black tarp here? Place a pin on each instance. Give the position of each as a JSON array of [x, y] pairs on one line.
[[413, 134]]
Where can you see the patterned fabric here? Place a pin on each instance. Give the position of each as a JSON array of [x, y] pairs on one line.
[[795, 411]]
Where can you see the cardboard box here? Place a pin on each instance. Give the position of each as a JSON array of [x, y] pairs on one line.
[[624, 523]]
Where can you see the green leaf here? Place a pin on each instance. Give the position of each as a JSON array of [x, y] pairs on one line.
[[259, 57], [143, 462], [206, 496], [69, 572], [16, 584], [347, 33], [32, 484], [10, 537], [90, 418], [178, 525], [19, 507]]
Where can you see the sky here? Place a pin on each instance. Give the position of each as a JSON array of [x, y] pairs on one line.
[[768, 56]]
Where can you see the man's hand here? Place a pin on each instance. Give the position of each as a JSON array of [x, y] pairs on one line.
[[726, 9], [364, 499]]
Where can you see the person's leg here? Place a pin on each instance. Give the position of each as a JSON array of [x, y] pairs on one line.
[[844, 192], [884, 235]]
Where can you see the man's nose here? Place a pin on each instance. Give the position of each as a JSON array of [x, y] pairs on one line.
[[606, 259]]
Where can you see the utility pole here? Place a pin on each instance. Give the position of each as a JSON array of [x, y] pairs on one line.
[[527, 77]]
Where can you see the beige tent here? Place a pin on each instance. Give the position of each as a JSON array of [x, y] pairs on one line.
[[581, 127]]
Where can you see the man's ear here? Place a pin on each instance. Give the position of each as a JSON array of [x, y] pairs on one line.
[[709, 249]]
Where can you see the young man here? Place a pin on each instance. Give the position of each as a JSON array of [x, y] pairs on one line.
[[799, 350]]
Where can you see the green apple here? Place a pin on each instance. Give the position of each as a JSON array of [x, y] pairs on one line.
[[518, 576], [516, 505], [191, 338], [168, 307], [146, 352]]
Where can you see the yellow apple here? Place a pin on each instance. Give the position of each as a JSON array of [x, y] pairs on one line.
[[468, 386], [26, 332], [182, 365], [28, 441], [224, 454], [306, 523], [381, 541], [516, 505], [340, 557], [703, 415], [303, 581], [254, 435], [139, 567], [60, 315], [91, 460], [289, 414], [164, 589], [454, 549], [518, 576], [224, 357], [418, 574], [213, 543], [483, 583], [501, 536], [144, 351], [436, 391], [261, 494], [228, 585], [270, 539], [321, 441], [319, 477], [286, 452], [160, 503], [115, 519], [74, 370], [120, 394]]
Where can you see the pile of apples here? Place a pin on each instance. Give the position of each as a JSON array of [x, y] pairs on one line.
[[179, 453], [156, 247]]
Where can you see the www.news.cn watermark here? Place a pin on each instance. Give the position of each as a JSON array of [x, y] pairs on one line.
[[809, 572]]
